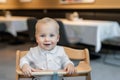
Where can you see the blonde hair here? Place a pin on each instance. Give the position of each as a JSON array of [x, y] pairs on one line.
[[47, 20]]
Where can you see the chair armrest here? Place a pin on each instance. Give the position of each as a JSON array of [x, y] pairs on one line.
[[81, 68], [44, 72]]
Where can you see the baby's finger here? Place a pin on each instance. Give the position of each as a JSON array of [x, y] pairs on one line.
[[28, 73], [25, 74], [33, 70], [65, 68], [71, 71]]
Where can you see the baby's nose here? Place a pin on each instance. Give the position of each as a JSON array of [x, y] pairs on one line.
[[47, 39]]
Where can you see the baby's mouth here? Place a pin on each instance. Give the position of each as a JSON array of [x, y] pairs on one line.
[[47, 44]]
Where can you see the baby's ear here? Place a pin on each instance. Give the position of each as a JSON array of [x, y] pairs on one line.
[[36, 39], [58, 37]]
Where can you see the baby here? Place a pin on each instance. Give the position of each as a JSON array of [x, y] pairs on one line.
[[47, 55]]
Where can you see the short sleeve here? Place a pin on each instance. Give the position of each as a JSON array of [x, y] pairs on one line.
[[26, 59], [65, 58]]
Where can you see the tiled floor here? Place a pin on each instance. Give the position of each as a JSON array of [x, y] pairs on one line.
[[100, 71]]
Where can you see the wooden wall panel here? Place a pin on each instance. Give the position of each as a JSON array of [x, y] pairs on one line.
[[54, 4]]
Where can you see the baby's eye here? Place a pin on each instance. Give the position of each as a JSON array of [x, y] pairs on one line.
[[42, 35], [52, 35]]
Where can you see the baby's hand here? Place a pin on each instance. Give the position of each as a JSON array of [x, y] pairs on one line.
[[27, 70], [70, 68]]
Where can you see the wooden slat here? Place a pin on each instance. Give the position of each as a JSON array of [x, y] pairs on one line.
[[22, 53], [74, 53]]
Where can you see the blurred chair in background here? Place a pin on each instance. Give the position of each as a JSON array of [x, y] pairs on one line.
[[26, 36], [31, 28], [114, 45], [4, 35], [2, 31], [63, 41]]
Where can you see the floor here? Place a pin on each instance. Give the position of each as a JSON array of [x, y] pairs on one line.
[[100, 70]]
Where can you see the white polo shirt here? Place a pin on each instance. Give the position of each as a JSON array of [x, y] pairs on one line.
[[55, 59]]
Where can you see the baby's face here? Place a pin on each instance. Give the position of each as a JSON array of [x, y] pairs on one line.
[[47, 36]]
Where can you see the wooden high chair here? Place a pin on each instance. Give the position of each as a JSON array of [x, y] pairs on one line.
[[82, 69]]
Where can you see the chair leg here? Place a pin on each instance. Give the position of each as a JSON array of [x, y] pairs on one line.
[[109, 62], [115, 56], [62, 79], [88, 77], [17, 76]]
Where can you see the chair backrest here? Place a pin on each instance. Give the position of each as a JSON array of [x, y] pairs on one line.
[[75, 54], [31, 27], [63, 41], [3, 27]]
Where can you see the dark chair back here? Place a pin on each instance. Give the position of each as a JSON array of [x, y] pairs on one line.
[[63, 37], [31, 27], [2, 27], [2, 31]]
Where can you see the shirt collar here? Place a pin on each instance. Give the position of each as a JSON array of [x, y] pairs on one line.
[[51, 51]]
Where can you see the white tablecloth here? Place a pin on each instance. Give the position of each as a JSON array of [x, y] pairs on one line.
[[15, 24], [91, 32]]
